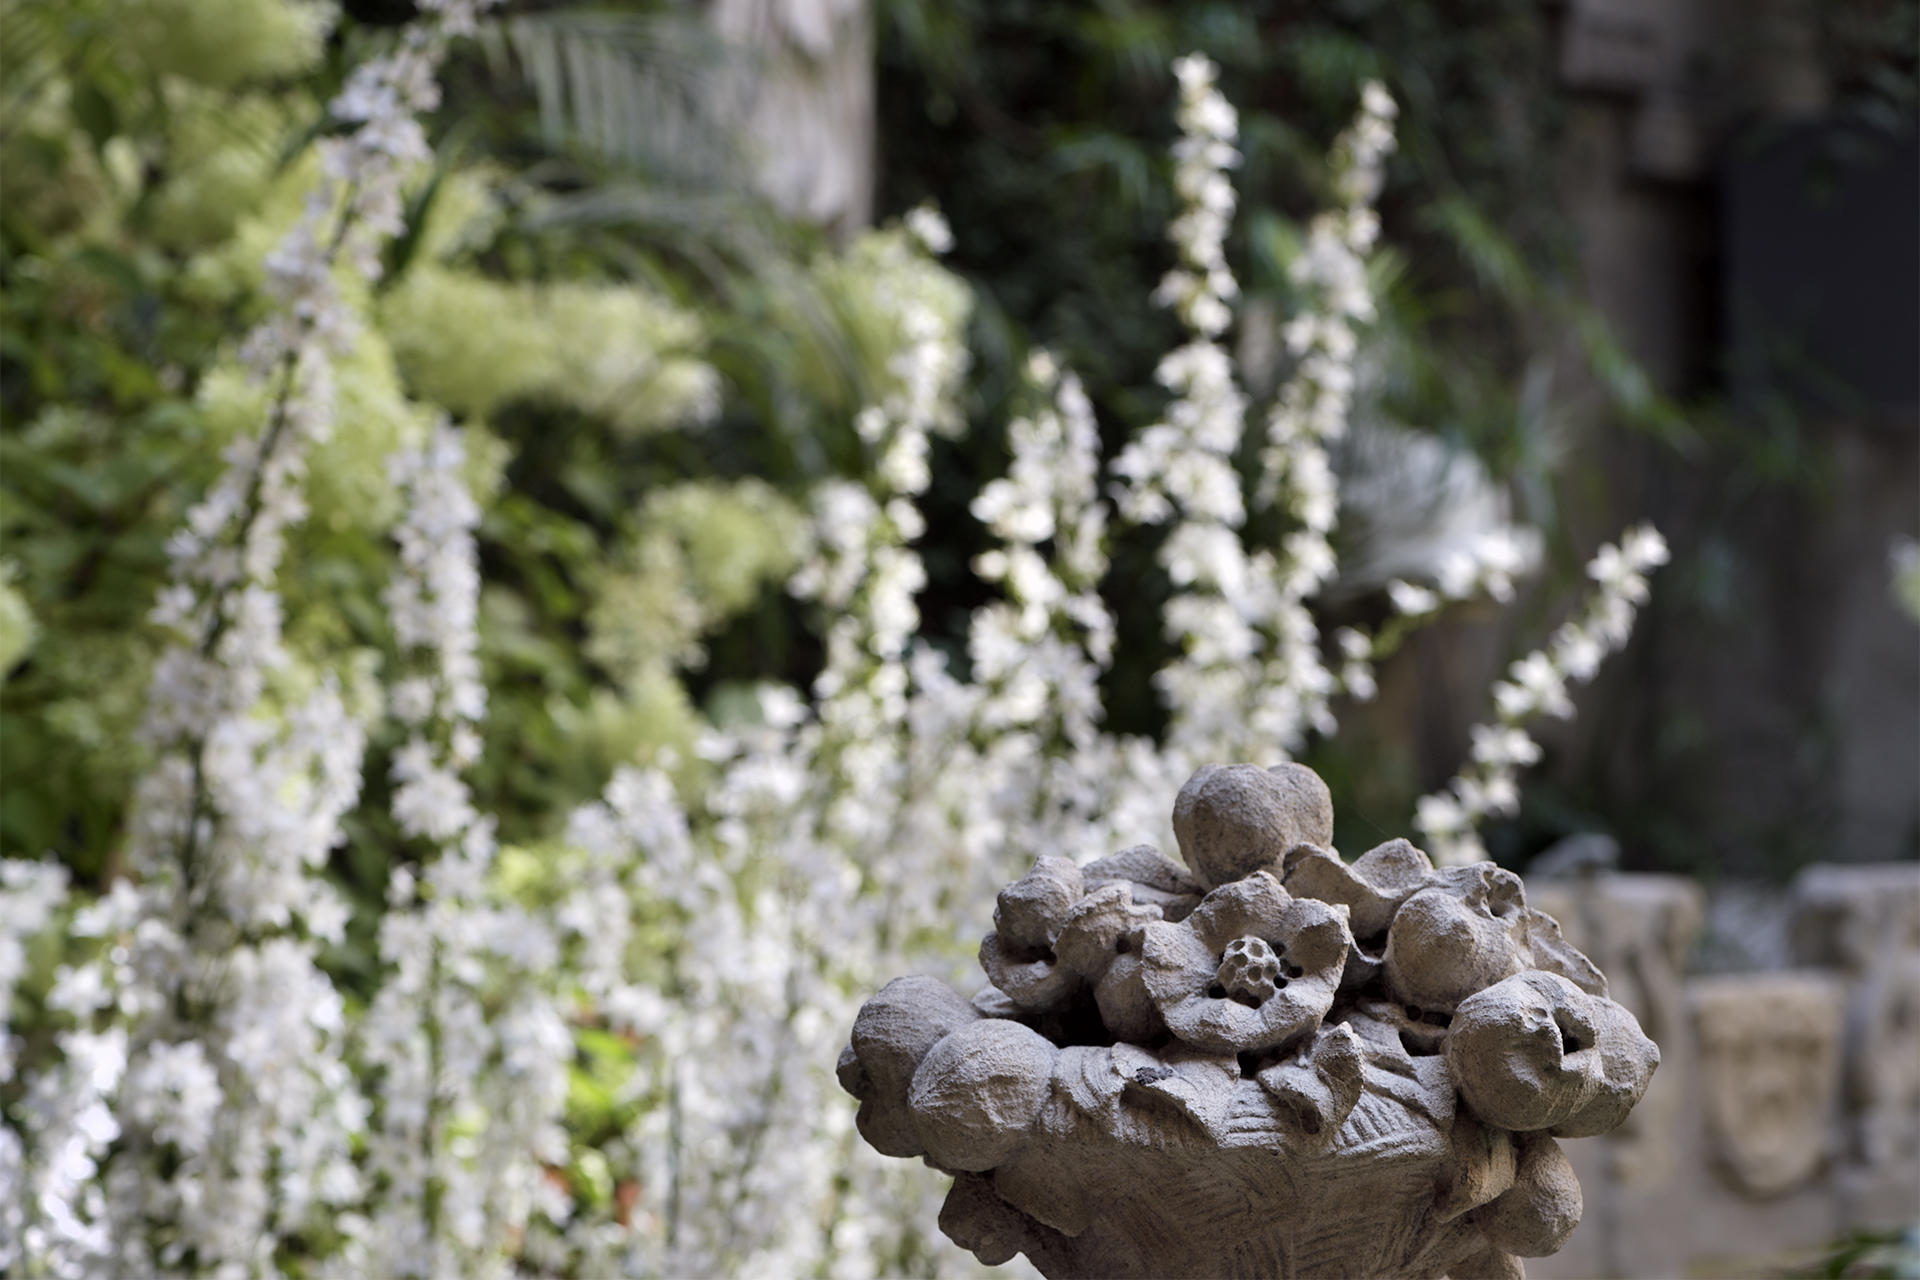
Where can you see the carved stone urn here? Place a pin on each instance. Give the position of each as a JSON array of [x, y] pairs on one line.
[[1270, 1062]]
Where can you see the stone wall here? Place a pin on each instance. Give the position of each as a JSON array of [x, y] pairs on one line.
[[1752, 245], [1786, 1110]]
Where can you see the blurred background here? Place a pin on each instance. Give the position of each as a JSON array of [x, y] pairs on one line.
[[1640, 259]]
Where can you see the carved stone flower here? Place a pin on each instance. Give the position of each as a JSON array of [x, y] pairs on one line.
[[1018, 955], [1252, 968], [1101, 943], [1372, 887]]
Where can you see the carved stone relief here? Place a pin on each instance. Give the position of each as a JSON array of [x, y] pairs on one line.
[[1770, 1061], [1865, 921], [1271, 1063]]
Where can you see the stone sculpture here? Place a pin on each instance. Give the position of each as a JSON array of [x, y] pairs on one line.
[[1770, 1057], [1266, 1063], [1864, 921], [1640, 930]]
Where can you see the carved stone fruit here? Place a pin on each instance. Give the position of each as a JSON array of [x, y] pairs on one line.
[[1280, 1065], [1233, 820]]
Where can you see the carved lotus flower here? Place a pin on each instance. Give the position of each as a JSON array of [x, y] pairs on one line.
[[1251, 969]]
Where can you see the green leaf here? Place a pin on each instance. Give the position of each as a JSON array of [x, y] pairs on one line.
[[94, 112]]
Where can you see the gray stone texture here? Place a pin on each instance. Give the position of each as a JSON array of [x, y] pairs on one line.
[[1274, 1063], [1786, 1111]]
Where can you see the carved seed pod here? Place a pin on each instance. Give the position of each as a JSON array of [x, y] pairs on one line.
[[1536, 1052]]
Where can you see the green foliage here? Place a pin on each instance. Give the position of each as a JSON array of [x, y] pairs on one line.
[[17, 627], [699, 553], [228, 42], [616, 399], [614, 352], [1869, 1255]]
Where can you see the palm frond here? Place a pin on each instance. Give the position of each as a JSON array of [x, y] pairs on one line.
[[635, 90]]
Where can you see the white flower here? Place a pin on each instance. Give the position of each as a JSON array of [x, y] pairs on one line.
[[1643, 547], [172, 1090], [411, 700], [925, 224], [1440, 816], [1577, 652], [1409, 599], [1499, 745], [1537, 684]]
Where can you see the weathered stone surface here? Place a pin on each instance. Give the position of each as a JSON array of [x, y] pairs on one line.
[[1155, 879], [1312, 1069], [1641, 929], [1018, 955], [977, 1091], [1372, 887], [1536, 1052], [1770, 1057], [1235, 819], [1448, 942], [894, 1031], [1203, 973], [1534, 1216], [1865, 922], [1679, 1188]]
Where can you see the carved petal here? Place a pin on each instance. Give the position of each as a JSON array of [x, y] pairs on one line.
[[1482, 1168], [1101, 926], [1372, 888], [1552, 952], [1253, 907], [1182, 961], [1322, 1088], [1126, 1010], [1036, 983], [1155, 879]]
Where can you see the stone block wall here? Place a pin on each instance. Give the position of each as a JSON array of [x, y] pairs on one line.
[[1786, 1110]]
